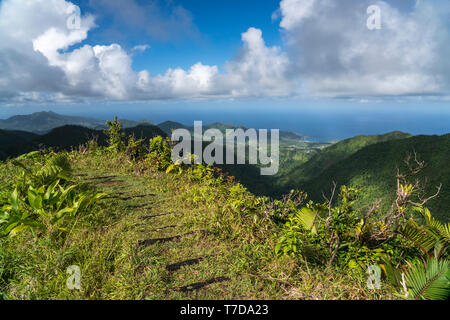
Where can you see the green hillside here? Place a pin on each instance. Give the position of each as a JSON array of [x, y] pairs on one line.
[[69, 135], [333, 154], [168, 126], [155, 237], [10, 139], [25, 135], [43, 122], [305, 160], [368, 163], [373, 170]]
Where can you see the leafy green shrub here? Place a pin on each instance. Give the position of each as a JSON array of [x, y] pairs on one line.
[[44, 208], [160, 155], [51, 168], [39, 201], [300, 227], [429, 276], [333, 234], [90, 146], [321, 233]]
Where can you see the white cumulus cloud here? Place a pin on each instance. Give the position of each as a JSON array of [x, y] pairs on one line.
[[336, 54], [328, 50], [258, 69], [38, 60]]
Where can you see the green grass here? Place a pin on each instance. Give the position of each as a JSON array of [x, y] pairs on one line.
[[108, 247]]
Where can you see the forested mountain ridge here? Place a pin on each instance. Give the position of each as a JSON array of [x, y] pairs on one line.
[[373, 169], [335, 153], [44, 121], [14, 143], [368, 163]]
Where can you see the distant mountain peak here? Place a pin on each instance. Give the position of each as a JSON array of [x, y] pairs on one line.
[[42, 122]]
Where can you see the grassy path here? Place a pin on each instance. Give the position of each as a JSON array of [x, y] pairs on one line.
[[165, 236], [172, 257]]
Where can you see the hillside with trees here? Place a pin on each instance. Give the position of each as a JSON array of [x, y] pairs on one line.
[[373, 170]]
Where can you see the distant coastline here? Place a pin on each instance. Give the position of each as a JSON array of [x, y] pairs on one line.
[[316, 125]]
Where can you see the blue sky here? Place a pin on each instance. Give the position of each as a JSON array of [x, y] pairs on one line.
[[127, 56], [219, 25], [216, 38]]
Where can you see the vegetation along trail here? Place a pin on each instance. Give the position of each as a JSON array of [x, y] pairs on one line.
[[141, 227]]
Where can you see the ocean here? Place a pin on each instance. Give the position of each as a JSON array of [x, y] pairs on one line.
[[320, 122]]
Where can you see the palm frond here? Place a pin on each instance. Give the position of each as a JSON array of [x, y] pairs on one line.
[[428, 281], [423, 239], [442, 231]]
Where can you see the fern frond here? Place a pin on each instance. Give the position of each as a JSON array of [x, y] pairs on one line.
[[423, 239], [48, 171], [57, 167], [19, 164], [61, 161], [438, 228], [307, 217], [428, 282]]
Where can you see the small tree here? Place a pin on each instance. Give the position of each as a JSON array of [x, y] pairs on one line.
[[115, 135]]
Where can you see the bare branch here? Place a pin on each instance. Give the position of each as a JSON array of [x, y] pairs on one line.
[[424, 201]]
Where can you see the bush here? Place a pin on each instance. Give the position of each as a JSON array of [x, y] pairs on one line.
[[135, 149], [160, 155], [335, 234]]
